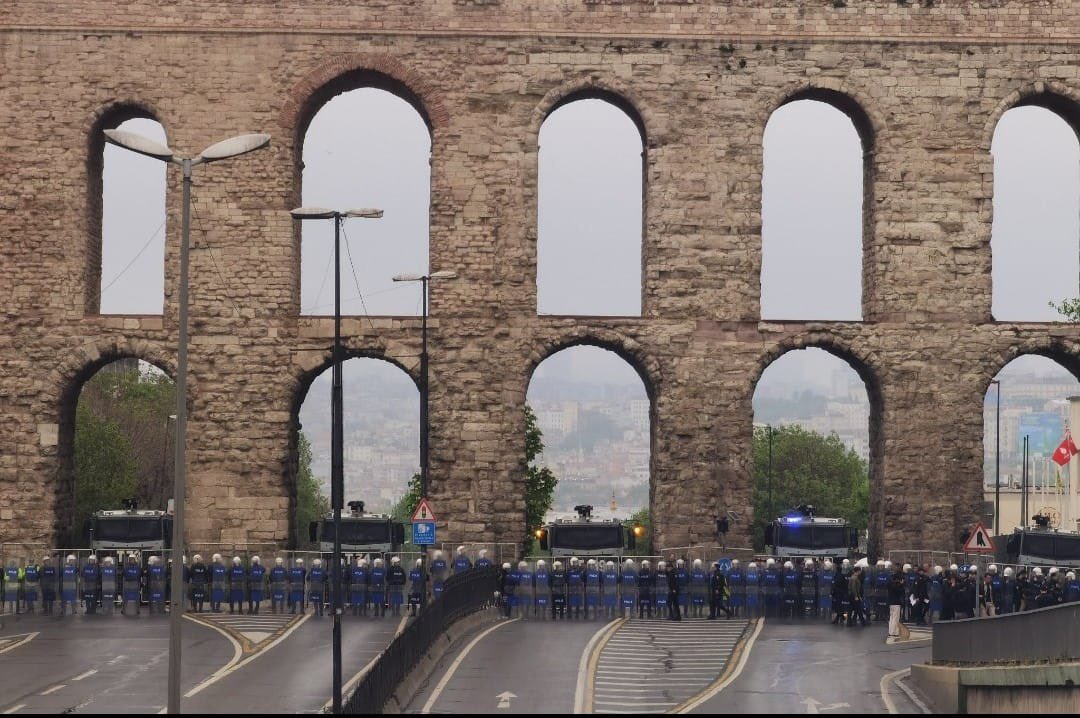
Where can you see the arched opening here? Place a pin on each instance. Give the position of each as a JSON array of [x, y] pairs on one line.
[[595, 412], [816, 441], [117, 442], [128, 190], [814, 184], [590, 213], [1035, 237], [381, 419], [366, 146], [1036, 398]]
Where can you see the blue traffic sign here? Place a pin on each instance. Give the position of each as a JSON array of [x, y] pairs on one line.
[[725, 564], [423, 533]]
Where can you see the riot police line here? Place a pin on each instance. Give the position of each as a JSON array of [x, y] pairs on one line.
[[61, 582]]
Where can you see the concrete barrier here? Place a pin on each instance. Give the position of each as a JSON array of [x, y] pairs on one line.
[[1032, 689]]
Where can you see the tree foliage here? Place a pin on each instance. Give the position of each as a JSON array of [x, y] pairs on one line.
[[105, 467], [540, 481], [311, 503], [807, 468], [1069, 308], [405, 506], [644, 544]]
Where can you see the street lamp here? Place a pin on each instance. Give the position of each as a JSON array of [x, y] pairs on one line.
[[232, 147], [997, 461], [337, 430], [425, 460]]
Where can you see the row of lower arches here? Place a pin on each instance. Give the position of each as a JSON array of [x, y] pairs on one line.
[[596, 412], [371, 146]]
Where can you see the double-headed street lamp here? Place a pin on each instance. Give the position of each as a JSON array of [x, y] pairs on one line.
[[232, 147], [337, 430], [425, 460]]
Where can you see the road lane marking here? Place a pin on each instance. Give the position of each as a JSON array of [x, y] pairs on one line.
[[590, 658], [894, 678], [911, 694], [441, 686], [26, 638], [15, 709], [81, 676], [54, 689], [730, 673]]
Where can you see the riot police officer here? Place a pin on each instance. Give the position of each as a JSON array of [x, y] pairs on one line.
[[157, 579], [920, 592], [628, 583], [752, 593], [256, 585], [297, 579], [791, 593], [660, 589], [937, 594], [542, 593], [1072, 588], [558, 590], [808, 584], [91, 584], [199, 581], [279, 582], [673, 591], [461, 561], [1008, 591], [699, 588], [69, 584], [12, 575], [645, 589], [575, 588], [997, 587], [317, 587], [593, 578], [682, 577], [838, 598], [417, 587], [718, 589], [396, 579], [132, 585], [508, 588], [438, 573], [908, 609], [609, 587], [523, 594], [110, 576], [376, 592], [49, 579], [880, 590], [770, 583], [358, 582], [482, 560], [31, 584], [237, 578], [219, 576], [826, 576]]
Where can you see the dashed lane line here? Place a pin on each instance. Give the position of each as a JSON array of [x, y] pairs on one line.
[[54, 689], [14, 709]]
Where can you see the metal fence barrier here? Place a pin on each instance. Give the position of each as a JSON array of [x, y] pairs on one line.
[[1043, 635], [462, 594]]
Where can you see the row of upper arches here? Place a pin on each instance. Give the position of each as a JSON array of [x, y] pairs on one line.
[[366, 140]]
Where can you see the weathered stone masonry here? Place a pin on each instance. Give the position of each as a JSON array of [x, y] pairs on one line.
[[926, 85]]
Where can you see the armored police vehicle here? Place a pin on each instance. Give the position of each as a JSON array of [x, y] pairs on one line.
[[585, 536], [131, 529], [1042, 545], [360, 532], [801, 534]]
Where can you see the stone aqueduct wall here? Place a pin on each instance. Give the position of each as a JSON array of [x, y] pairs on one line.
[[926, 86]]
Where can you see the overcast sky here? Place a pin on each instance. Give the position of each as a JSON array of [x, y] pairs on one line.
[[368, 148]]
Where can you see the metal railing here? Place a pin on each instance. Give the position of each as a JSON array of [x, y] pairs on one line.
[[462, 594], [1043, 635]]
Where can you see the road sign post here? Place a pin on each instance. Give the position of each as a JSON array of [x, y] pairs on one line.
[[980, 540], [423, 533]]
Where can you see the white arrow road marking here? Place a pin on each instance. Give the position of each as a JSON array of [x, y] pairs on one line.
[[504, 699], [815, 707]]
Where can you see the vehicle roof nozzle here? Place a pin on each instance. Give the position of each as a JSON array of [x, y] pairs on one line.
[[356, 507], [584, 511], [130, 504]]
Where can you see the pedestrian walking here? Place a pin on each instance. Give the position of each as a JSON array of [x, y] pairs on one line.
[[895, 597], [718, 593], [855, 596]]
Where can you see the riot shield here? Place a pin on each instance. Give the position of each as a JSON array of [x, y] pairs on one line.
[[524, 592], [542, 589]]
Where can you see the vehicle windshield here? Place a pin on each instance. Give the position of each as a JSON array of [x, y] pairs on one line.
[[587, 537], [129, 529], [370, 531], [812, 537]]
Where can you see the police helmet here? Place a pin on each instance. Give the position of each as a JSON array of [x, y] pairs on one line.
[[378, 562], [70, 557], [992, 568], [395, 560], [880, 563], [808, 563], [255, 560], [591, 563], [460, 550], [769, 562], [131, 556], [788, 564], [483, 553], [506, 566], [540, 564], [299, 562], [1037, 571], [752, 566], [197, 558], [155, 560], [108, 560], [645, 563], [937, 570], [697, 563], [216, 557], [680, 563], [437, 555], [609, 565], [1008, 572], [317, 562], [419, 562], [557, 565], [887, 564], [660, 565], [973, 568], [92, 558], [846, 563], [735, 563], [236, 560], [1071, 575], [278, 561], [629, 563], [1053, 571], [907, 568], [954, 568], [522, 565], [828, 565]]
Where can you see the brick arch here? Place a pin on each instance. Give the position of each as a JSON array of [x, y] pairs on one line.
[[1064, 354], [1062, 100], [869, 121], [593, 88], [627, 349], [106, 117]]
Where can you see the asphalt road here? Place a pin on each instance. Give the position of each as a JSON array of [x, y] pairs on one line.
[[815, 667]]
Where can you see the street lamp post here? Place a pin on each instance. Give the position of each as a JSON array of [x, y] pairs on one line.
[[337, 430], [997, 460], [232, 147], [425, 459], [772, 513]]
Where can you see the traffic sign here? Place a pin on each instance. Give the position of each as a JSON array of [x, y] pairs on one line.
[[423, 512], [725, 564], [980, 540], [423, 533]]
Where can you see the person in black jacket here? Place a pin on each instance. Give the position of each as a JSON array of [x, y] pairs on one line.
[[673, 592], [839, 597], [920, 590], [718, 589]]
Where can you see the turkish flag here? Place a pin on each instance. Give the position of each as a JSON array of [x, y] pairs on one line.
[[1065, 451]]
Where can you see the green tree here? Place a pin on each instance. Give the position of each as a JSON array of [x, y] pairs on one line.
[[1069, 308], [105, 468], [540, 481], [311, 503], [643, 518], [807, 468], [405, 506]]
